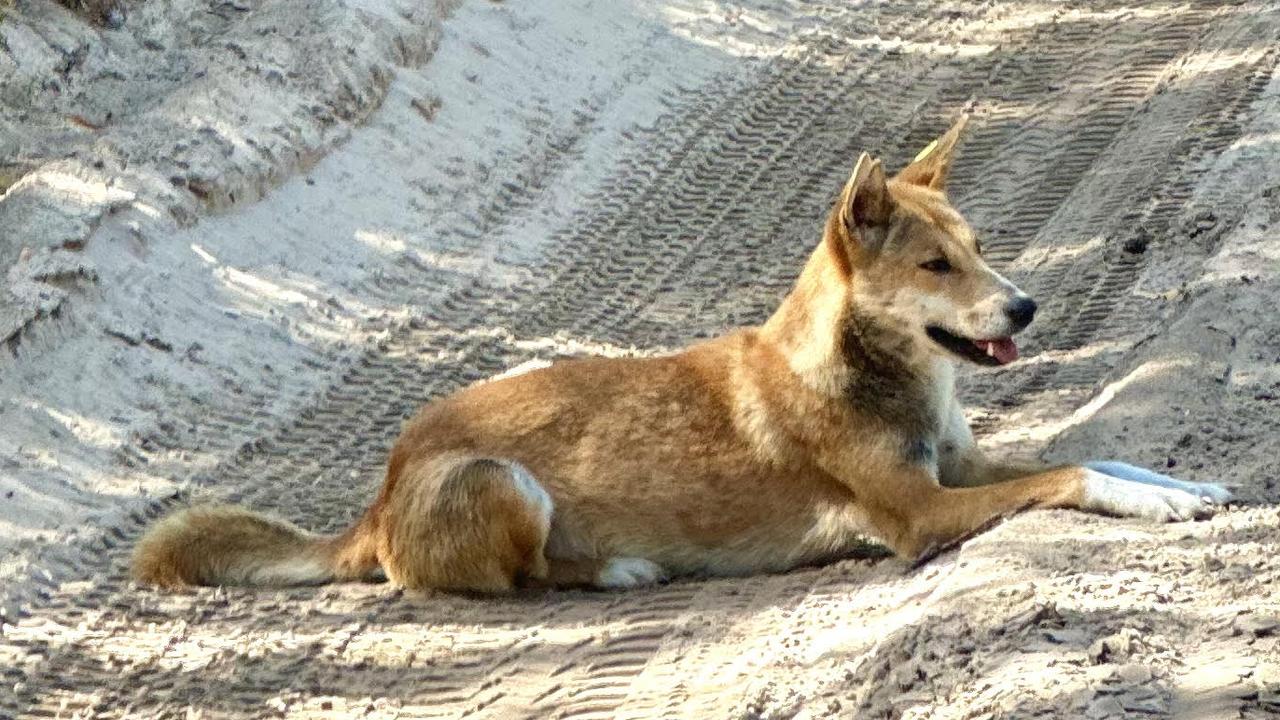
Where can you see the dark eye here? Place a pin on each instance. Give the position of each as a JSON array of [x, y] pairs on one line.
[[937, 265]]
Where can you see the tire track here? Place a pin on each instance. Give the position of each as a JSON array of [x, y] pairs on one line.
[[1136, 198]]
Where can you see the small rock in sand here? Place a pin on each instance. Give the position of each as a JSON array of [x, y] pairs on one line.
[[1114, 647], [1257, 625], [1106, 707], [1133, 673]]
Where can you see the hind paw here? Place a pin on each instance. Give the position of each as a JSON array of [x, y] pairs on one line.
[[629, 572]]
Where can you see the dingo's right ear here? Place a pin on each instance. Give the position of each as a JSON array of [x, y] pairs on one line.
[[865, 205]]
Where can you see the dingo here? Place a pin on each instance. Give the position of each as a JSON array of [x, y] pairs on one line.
[[768, 448]]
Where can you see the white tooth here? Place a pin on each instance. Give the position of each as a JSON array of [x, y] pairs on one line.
[[991, 349]]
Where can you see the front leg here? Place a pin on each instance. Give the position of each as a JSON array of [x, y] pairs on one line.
[[962, 464], [971, 468], [919, 518]]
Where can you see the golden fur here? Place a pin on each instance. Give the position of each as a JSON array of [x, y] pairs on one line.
[[758, 451]]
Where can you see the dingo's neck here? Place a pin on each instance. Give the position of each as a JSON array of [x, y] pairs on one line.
[[839, 352]]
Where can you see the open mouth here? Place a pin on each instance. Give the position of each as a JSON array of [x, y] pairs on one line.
[[995, 351]]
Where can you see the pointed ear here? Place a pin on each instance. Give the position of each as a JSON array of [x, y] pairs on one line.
[[865, 205], [931, 166]]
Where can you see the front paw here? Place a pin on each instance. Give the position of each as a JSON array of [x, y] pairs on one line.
[[1126, 498], [1210, 492]]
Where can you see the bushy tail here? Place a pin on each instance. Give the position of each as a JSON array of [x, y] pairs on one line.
[[227, 545]]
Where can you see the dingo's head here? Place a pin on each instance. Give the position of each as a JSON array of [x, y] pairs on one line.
[[913, 262]]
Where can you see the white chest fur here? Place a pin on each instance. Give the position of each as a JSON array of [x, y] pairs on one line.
[[953, 433]]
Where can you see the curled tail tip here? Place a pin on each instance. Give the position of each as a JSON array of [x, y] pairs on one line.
[[158, 558]]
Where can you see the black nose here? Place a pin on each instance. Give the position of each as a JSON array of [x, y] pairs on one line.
[[1021, 311]]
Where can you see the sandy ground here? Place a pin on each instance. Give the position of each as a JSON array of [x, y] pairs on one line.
[[243, 240]]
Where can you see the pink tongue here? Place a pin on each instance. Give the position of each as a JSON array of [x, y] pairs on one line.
[[1003, 350]]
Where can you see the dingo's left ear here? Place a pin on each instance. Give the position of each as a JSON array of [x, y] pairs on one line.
[[931, 166], [865, 205]]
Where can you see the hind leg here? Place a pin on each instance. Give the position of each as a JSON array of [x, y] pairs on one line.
[[615, 573], [465, 523]]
